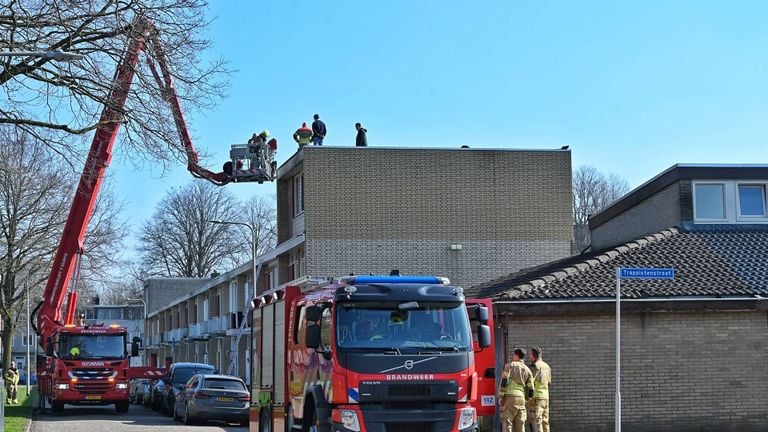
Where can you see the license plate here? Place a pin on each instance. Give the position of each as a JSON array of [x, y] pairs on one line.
[[92, 397], [225, 399]]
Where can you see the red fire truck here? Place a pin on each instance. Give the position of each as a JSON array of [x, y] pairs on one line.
[[88, 364], [370, 354]]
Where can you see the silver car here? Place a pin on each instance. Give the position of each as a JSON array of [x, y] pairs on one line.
[[213, 397]]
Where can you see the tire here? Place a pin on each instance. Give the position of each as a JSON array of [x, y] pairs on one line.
[[265, 421], [57, 407], [122, 406], [188, 420]]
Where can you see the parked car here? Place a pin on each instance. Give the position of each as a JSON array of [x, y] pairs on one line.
[[178, 375], [213, 397], [156, 395], [136, 390], [23, 379]]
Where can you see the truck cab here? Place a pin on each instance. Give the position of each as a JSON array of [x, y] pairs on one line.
[[375, 354], [86, 365]]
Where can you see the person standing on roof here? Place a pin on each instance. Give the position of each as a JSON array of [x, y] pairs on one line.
[[362, 139], [303, 135], [318, 131]]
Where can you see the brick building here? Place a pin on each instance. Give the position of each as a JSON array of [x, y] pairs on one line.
[[467, 214], [694, 350]]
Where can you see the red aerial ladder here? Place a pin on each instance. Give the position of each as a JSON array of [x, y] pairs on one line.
[[89, 364]]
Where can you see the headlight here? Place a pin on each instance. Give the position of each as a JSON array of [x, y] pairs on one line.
[[349, 420], [121, 386], [62, 386], [466, 418]]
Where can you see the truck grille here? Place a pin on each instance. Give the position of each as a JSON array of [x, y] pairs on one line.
[[93, 387]]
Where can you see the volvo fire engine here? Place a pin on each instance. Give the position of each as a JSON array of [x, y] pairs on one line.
[[89, 364], [371, 354]]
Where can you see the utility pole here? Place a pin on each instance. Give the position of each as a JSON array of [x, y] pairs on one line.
[[29, 364]]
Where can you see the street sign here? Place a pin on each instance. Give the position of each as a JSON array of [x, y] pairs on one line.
[[646, 273], [630, 273]]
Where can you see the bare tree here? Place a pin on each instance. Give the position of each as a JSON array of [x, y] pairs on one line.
[[62, 101], [35, 195], [592, 192], [179, 240], [261, 214]]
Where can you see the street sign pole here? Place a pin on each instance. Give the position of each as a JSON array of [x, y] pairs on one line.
[[618, 350], [630, 273]]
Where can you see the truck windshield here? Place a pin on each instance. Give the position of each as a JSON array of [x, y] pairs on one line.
[[87, 346], [390, 326]]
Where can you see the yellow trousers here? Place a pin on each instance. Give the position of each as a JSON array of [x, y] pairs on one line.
[[538, 414], [513, 415]]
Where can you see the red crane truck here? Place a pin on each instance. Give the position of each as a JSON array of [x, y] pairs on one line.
[[90, 364], [370, 354]]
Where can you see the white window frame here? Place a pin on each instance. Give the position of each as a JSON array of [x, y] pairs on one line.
[[737, 195], [233, 296], [293, 264], [206, 317], [726, 207]]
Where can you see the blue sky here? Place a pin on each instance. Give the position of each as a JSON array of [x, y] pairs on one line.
[[632, 87]]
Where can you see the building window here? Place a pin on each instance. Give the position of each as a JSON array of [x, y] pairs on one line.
[[709, 201], [752, 200], [247, 297], [233, 296], [298, 194]]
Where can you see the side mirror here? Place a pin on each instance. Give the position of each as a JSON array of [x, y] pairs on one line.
[[312, 335], [313, 314], [134, 349], [481, 314], [484, 335]]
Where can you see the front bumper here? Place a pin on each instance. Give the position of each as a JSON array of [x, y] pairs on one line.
[[75, 397], [378, 419]]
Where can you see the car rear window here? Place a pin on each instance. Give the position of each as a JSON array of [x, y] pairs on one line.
[[182, 375], [224, 384]]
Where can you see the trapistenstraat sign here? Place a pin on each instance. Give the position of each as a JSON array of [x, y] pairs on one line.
[[646, 273]]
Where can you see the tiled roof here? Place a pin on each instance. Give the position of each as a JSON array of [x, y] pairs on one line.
[[723, 261]]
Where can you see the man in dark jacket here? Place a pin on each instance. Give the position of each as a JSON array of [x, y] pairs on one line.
[[318, 131], [362, 138]]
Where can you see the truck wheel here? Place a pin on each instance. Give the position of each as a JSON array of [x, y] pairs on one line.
[[122, 406], [265, 421], [57, 407]]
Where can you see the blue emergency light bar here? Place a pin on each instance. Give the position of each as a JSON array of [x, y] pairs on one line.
[[361, 280]]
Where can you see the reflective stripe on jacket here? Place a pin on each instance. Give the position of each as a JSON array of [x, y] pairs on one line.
[[542, 378], [518, 377]]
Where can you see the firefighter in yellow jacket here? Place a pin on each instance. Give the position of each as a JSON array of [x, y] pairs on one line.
[[538, 405], [11, 379], [516, 383]]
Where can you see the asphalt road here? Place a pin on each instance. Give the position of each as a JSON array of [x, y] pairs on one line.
[[104, 419]]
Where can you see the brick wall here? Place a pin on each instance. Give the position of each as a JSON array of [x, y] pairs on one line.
[[656, 213], [372, 210], [702, 371]]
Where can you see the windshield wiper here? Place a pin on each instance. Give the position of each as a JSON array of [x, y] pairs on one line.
[[385, 350], [450, 348]]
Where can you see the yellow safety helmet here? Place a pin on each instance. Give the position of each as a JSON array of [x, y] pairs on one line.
[[74, 351], [264, 133]]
